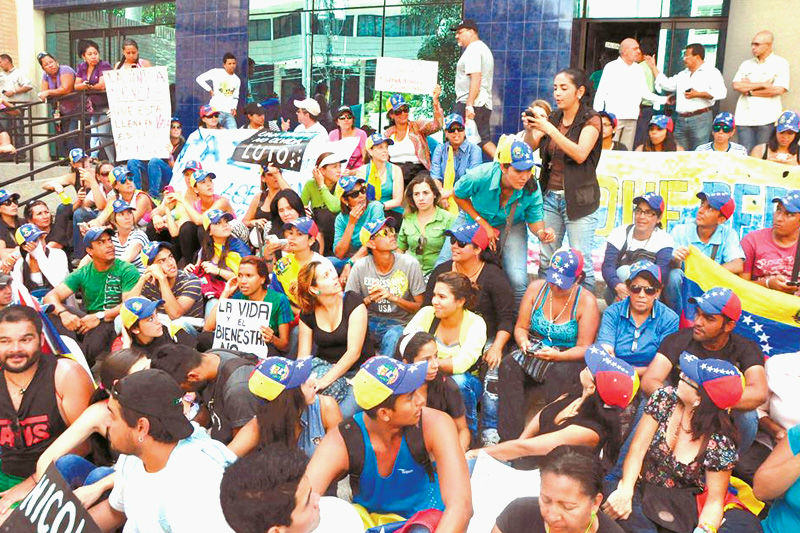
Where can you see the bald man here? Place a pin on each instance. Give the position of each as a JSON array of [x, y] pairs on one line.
[[760, 81], [622, 88]]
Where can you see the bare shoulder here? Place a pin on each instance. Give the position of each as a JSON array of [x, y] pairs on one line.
[[70, 374]]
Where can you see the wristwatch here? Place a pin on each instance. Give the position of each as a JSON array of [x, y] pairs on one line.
[[101, 315]]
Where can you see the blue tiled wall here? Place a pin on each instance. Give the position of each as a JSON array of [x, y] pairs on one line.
[[530, 40]]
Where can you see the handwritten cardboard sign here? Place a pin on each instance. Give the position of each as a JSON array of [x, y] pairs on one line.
[[239, 326], [413, 76], [50, 507], [138, 100]]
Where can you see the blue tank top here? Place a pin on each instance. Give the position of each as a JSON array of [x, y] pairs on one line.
[[404, 491], [313, 430], [557, 335]]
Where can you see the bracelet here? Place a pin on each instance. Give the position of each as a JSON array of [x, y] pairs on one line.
[[706, 528]]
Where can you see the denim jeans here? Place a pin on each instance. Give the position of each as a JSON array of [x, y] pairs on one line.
[[227, 121], [159, 174], [348, 406], [104, 130], [388, 330], [471, 389], [673, 290], [78, 471], [747, 426], [750, 136], [79, 216], [579, 232], [691, 132], [515, 255], [137, 167]]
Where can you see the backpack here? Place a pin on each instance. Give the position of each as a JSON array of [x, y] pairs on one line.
[[354, 442], [216, 404]]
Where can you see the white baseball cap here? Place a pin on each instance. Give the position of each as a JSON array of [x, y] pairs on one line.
[[309, 104]]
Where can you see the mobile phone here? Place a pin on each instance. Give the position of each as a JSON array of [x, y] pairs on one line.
[[529, 113]]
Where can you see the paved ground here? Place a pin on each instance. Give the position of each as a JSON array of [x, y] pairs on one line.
[[27, 188]]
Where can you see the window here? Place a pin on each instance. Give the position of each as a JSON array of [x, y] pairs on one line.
[[370, 25], [286, 25], [327, 24], [260, 30]]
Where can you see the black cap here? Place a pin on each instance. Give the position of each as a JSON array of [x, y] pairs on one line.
[[253, 108], [154, 393], [468, 24], [344, 109]]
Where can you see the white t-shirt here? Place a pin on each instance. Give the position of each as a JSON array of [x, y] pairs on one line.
[[403, 151], [476, 58], [225, 87], [182, 497], [337, 516], [14, 81], [658, 240], [317, 128], [760, 110]]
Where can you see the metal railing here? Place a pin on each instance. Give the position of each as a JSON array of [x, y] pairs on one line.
[[26, 125]]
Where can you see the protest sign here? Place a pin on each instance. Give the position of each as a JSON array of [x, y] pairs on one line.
[[140, 110], [239, 326], [410, 76], [50, 507], [282, 149]]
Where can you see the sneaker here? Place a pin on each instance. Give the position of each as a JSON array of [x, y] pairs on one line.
[[489, 437]]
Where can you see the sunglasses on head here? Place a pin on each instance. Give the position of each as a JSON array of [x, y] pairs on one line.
[[421, 243], [683, 377], [454, 129], [355, 193], [637, 289], [722, 127]]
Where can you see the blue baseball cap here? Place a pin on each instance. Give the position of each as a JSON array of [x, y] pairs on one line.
[[726, 119], [565, 268], [77, 154], [95, 233], [721, 201], [121, 205], [663, 122], [719, 301], [120, 174], [213, 216], [27, 233], [303, 225], [790, 202], [5, 196], [150, 251], [453, 118], [655, 201], [521, 156], [200, 175], [380, 377], [378, 138], [721, 380], [348, 183], [611, 117], [136, 308], [370, 229], [470, 233], [274, 375], [644, 266], [397, 101], [192, 165], [788, 121]]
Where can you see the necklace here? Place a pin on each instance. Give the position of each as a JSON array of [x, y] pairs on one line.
[[472, 276], [555, 319], [21, 390], [588, 528]]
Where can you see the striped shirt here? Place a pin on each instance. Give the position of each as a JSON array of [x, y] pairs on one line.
[[136, 236]]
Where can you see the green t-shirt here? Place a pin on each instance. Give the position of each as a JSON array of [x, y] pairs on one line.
[[102, 290], [281, 310]]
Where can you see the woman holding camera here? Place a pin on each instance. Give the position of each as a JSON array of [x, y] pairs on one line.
[[557, 321]]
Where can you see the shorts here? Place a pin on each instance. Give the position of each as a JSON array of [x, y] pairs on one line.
[[482, 116]]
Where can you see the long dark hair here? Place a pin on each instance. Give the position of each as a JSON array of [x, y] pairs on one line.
[[126, 42], [277, 420], [772, 143], [84, 45], [579, 78], [669, 144], [411, 348], [593, 408], [294, 202], [461, 287], [709, 419], [207, 247]]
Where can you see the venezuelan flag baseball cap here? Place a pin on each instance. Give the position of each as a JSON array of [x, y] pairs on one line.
[[200, 175], [213, 216], [77, 154], [121, 205], [120, 174], [27, 233], [150, 251], [95, 233], [721, 201], [5, 196], [453, 118], [207, 110], [396, 101], [521, 156], [192, 165], [303, 225], [136, 308], [470, 233], [370, 229], [655, 201], [662, 122], [273, 375], [615, 379], [726, 119], [378, 138], [380, 377], [788, 121], [643, 266], [719, 301], [790, 202], [610, 116], [722, 381], [565, 268], [348, 183]]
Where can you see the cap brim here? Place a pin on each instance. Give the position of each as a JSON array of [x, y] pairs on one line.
[[786, 127], [178, 426], [689, 367], [413, 379], [704, 306], [523, 165], [300, 376], [560, 280]]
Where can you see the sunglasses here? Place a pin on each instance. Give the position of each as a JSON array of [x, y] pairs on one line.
[[401, 110], [213, 115], [454, 129], [346, 116], [421, 243], [386, 231], [10, 201], [722, 127], [648, 212], [355, 193], [460, 244], [124, 179], [105, 173], [637, 289]]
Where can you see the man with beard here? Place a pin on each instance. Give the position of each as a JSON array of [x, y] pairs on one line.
[[40, 396], [169, 471], [716, 313], [220, 378]]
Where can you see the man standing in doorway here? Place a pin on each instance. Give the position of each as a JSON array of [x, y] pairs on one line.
[[696, 89], [621, 90], [760, 81], [224, 90], [473, 84]]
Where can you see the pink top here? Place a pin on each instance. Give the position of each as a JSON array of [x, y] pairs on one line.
[[762, 257], [356, 159]]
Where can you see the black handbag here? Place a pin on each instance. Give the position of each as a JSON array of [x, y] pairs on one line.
[[674, 509], [534, 367]]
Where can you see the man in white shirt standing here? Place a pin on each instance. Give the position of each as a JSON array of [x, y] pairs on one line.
[[761, 81], [622, 88], [224, 90], [473, 83], [307, 115], [696, 89], [13, 83]]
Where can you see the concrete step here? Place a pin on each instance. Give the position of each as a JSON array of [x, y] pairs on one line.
[[28, 188]]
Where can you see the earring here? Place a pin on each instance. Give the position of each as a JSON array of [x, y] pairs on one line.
[[141, 439], [696, 404], [314, 292]]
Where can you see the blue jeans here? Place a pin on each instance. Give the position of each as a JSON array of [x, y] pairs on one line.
[[159, 174], [80, 216], [673, 290], [348, 406], [515, 255], [691, 132], [579, 232], [750, 136], [388, 330], [227, 121], [78, 471], [747, 425], [137, 167], [471, 389]]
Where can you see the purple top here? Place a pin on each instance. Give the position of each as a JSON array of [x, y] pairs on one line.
[[355, 159], [68, 104], [98, 101]]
